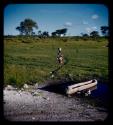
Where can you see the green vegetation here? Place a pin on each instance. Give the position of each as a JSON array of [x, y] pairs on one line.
[[30, 60]]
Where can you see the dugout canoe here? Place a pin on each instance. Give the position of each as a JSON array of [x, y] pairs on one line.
[[81, 86]]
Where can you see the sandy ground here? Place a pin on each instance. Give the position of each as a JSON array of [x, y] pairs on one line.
[[41, 105]]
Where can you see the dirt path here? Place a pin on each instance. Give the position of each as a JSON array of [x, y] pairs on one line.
[[41, 105]]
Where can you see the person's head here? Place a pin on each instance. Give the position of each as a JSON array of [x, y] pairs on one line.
[[59, 49]]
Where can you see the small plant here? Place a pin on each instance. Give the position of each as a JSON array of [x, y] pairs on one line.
[[69, 76], [12, 80]]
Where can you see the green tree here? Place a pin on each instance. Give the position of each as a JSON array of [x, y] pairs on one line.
[[54, 34], [39, 33], [26, 27], [45, 34], [33, 33], [21, 28], [105, 30], [85, 36], [60, 32], [94, 34]]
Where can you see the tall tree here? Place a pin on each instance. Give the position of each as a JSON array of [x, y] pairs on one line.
[[21, 28], [53, 34], [94, 34], [26, 27], [45, 34], [105, 30], [85, 36], [33, 33], [60, 32], [39, 33]]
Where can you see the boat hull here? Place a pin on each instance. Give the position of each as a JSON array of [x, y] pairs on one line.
[[81, 87]]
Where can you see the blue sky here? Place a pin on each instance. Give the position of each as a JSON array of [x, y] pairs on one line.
[[78, 18]]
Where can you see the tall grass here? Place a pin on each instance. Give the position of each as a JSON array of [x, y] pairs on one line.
[[32, 62]]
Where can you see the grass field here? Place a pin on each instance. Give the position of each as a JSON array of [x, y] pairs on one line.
[[32, 60]]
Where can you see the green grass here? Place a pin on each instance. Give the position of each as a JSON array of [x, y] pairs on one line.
[[33, 61]]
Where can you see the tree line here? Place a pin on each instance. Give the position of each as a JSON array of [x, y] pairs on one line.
[[27, 27]]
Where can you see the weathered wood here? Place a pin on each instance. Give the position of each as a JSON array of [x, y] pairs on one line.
[[81, 86]]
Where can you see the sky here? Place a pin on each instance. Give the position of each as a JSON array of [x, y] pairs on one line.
[[77, 18]]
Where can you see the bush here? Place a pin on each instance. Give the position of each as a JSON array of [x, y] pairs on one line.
[[12, 80], [26, 41], [65, 40]]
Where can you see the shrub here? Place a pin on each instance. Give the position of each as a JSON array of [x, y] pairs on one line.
[[12, 80]]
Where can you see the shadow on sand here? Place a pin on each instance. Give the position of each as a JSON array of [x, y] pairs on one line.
[[57, 87], [99, 95]]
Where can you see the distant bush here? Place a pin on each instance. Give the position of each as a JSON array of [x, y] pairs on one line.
[[26, 41], [85, 38], [76, 38], [99, 40], [65, 39]]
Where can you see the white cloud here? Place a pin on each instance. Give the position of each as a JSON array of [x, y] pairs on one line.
[[68, 24], [95, 16], [94, 28], [85, 22], [88, 29]]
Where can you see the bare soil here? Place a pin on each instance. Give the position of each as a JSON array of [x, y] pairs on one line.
[[43, 105]]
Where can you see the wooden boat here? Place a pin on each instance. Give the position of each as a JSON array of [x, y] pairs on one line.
[[78, 87]]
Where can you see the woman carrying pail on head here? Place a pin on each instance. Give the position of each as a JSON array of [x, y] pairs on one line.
[[60, 57]]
